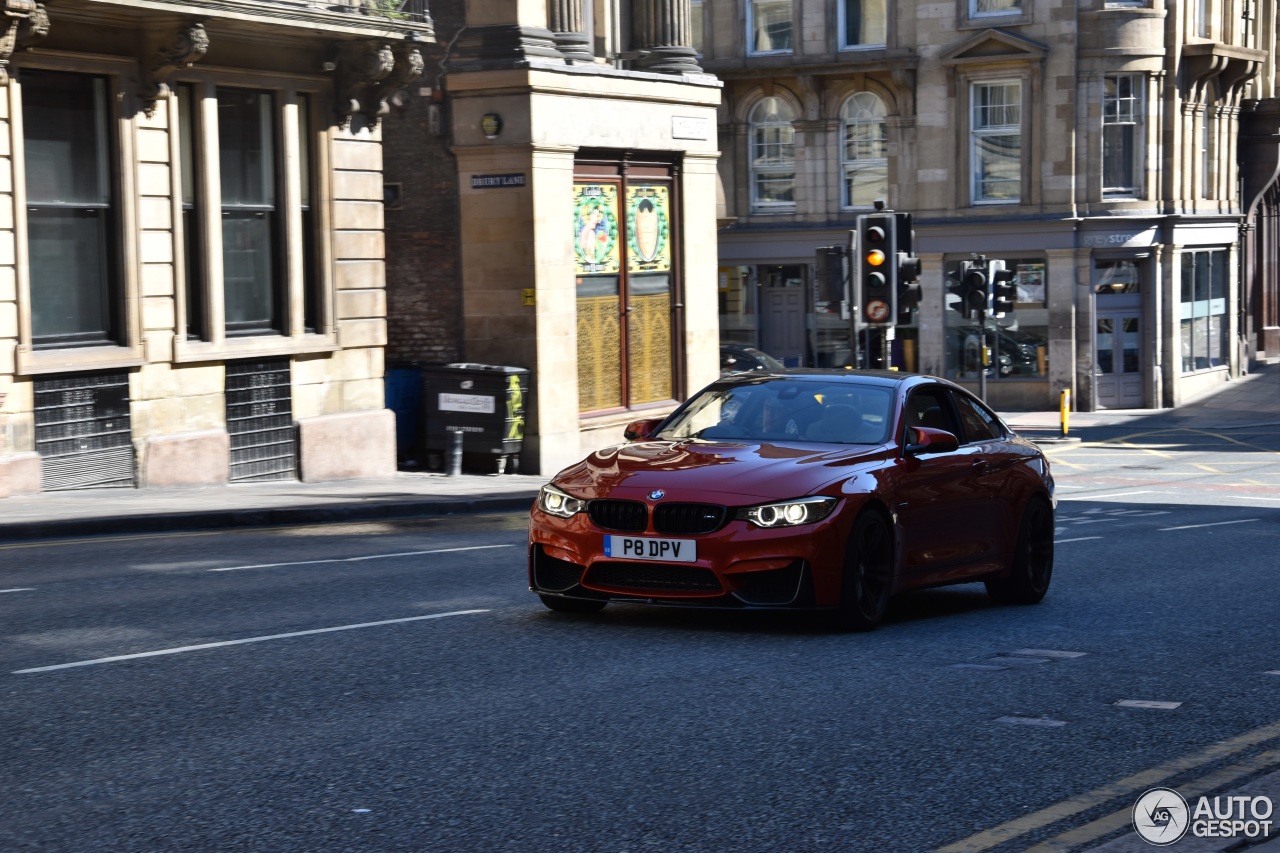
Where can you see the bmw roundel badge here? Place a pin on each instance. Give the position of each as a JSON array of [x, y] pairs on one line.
[[657, 495]]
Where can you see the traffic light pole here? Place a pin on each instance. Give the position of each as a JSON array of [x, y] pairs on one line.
[[982, 367]]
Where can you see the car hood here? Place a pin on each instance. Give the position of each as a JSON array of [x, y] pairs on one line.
[[711, 471]]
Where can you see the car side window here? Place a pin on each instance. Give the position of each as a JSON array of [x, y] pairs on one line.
[[929, 407], [979, 423]]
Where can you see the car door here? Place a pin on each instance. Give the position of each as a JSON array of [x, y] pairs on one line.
[[938, 500], [991, 460]]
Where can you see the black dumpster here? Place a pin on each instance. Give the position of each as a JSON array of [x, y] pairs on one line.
[[484, 403]]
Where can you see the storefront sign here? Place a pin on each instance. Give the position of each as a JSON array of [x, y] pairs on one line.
[[1119, 239], [476, 403]]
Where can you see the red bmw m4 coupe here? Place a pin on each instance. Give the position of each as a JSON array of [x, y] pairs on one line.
[[800, 489]]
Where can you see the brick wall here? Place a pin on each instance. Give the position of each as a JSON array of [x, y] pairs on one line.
[[424, 311]]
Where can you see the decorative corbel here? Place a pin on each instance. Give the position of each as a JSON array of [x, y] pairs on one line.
[[408, 67], [189, 45], [360, 66], [23, 22]]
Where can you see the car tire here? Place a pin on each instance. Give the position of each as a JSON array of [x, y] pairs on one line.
[[868, 573], [571, 605], [1031, 568]]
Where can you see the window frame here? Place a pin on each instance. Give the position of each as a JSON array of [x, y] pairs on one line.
[[842, 26], [848, 165], [974, 14], [307, 321], [1196, 316], [977, 132], [755, 171], [1136, 155], [751, 29], [127, 349]]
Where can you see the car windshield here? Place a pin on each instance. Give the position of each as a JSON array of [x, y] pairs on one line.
[[838, 412]]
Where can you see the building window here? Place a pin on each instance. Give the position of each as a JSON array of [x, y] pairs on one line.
[[996, 146], [71, 210], [250, 204], [1204, 310], [864, 153], [1206, 156], [772, 156], [983, 8], [1122, 137], [192, 200], [695, 26], [1200, 10], [863, 23], [247, 157], [1017, 344], [769, 26], [626, 339]]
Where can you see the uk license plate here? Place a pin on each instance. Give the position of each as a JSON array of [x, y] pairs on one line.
[[651, 548]]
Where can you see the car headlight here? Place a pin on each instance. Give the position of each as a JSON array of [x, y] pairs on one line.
[[788, 513], [555, 502]]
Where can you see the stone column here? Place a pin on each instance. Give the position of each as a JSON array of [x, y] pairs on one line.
[[661, 32], [568, 28]]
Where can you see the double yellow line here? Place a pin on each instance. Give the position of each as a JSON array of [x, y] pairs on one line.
[[1129, 787]]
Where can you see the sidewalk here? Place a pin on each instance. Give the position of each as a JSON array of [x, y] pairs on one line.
[[1252, 400]]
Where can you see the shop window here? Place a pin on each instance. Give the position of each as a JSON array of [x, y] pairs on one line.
[[1204, 321], [863, 23], [864, 152], [996, 141], [72, 230], [625, 276], [772, 156], [1018, 343]]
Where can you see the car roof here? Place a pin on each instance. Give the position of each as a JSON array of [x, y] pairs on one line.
[[884, 378]]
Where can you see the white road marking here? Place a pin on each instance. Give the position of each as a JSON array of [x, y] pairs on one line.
[[1251, 497], [1209, 524], [358, 559], [1078, 539], [201, 646], [1117, 495], [1147, 703], [19, 589], [1031, 721], [1048, 653]]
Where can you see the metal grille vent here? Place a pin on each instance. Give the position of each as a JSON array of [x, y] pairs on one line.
[[83, 433], [618, 515], [653, 578], [688, 518], [264, 441]]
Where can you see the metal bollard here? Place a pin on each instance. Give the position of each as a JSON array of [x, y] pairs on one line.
[[1064, 410], [455, 454]]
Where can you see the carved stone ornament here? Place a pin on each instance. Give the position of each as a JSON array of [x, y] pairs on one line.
[[22, 23], [368, 73], [189, 45]]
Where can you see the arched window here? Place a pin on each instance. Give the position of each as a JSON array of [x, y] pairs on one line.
[[864, 150], [773, 155]]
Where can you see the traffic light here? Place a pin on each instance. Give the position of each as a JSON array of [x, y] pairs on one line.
[[877, 269], [1004, 293], [974, 293], [908, 269]]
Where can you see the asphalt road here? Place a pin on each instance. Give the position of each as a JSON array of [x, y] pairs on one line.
[[394, 687]]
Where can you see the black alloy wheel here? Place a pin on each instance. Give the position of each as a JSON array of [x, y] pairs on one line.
[[571, 605], [868, 573], [1032, 566]]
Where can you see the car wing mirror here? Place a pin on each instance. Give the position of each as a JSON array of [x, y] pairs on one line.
[[929, 440], [639, 430]]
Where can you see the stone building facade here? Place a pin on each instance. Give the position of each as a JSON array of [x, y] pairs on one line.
[[1093, 145], [574, 235], [191, 240]]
